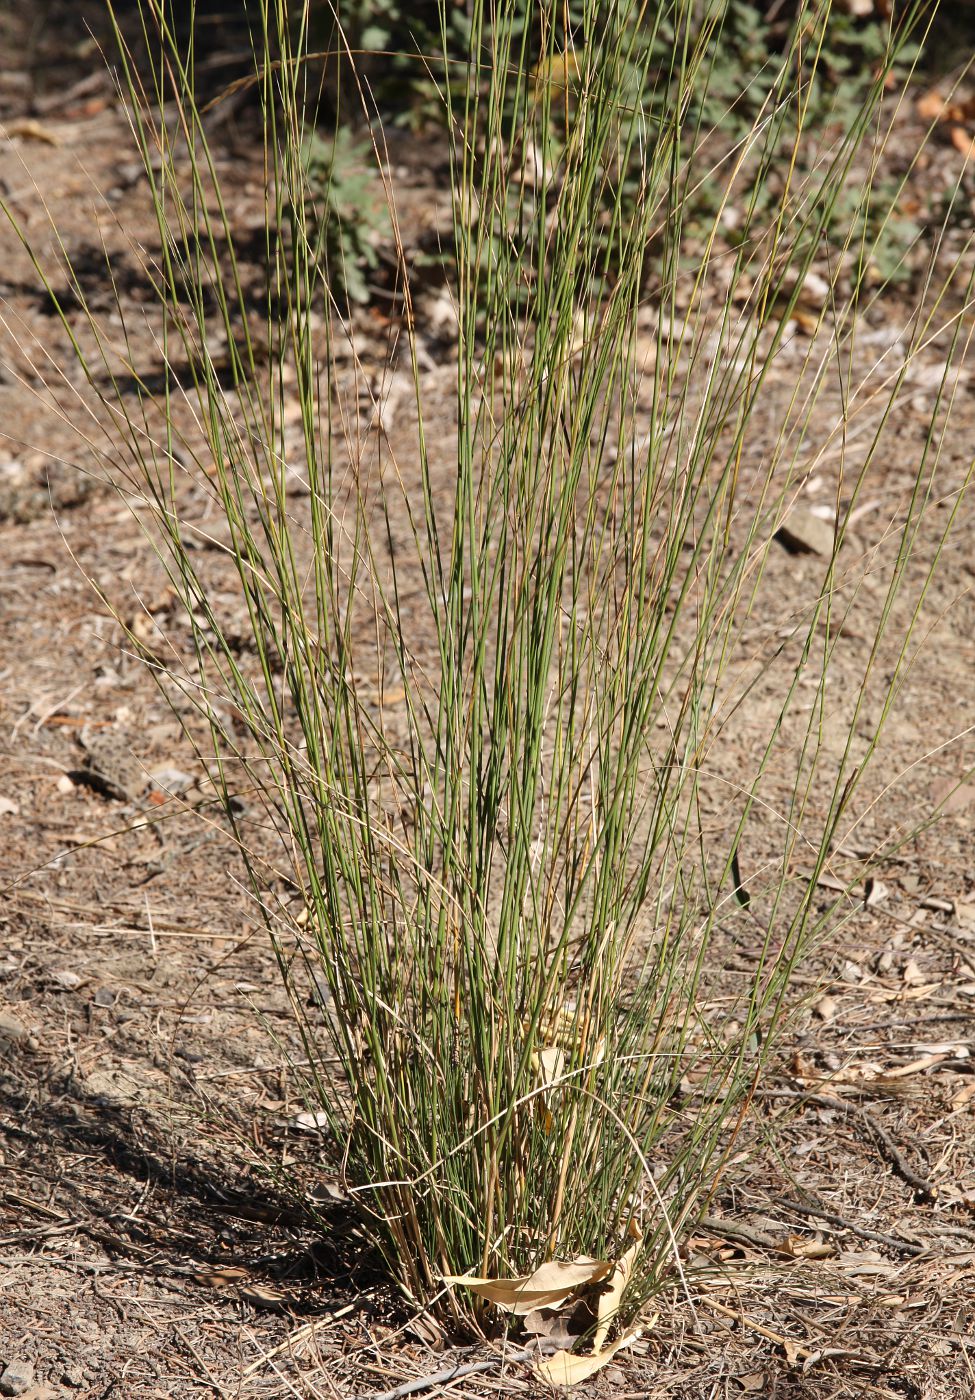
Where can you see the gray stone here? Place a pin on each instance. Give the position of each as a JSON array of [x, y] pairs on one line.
[[169, 779], [110, 765], [801, 532], [17, 1376], [11, 1029]]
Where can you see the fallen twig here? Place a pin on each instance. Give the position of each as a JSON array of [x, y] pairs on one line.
[[924, 1188], [301, 1334], [800, 1352], [735, 1230], [469, 1368], [841, 1222]]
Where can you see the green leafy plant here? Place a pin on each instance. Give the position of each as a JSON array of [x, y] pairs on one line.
[[411, 85], [342, 209], [496, 668]]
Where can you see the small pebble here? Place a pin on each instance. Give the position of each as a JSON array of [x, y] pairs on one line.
[[168, 779], [67, 979], [17, 1376], [11, 1029], [802, 532]]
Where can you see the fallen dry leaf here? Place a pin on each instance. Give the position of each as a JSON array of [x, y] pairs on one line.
[[956, 1196], [933, 107], [964, 1097], [912, 974], [963, 141], [797, 1247], [615, 1287], [549, 1065], [874, 892], [555, 1326], [221, 1277], [568, 1368], [549, 1286], [259, 1295], [558, 1033], [805, 321], [964, 912], [30, 129], [930, 106], [949, 795], [308, 1122], [794, 1353], [328, 1189]]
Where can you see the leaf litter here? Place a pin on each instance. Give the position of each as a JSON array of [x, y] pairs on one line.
[[549, 1302]]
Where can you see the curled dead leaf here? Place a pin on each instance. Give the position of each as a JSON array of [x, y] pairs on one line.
[[260, 1295], [558, 1033], [224, 1277], [615, 1287], [874, 892], [549, 1286], [568, 1368], [932, 106], [554, 1326], [963, 1097], [797, 1247], [30, 129], [963, 141]]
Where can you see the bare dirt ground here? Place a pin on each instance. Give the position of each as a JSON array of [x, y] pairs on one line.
[[159, 1232]]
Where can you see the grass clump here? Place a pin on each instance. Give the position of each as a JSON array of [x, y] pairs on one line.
[[493, 667]]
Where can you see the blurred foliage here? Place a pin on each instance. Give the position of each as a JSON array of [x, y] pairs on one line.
[[405, 56], [343, 204]]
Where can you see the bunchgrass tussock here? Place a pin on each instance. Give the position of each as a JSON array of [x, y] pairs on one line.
[[496, 662]]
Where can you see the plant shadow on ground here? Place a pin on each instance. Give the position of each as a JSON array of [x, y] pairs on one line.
[[124, 1185]]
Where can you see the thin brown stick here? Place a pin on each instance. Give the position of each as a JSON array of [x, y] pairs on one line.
[[453, 1373], [802, 1353], [926, 1190], [840, 1222], [735, 1230]]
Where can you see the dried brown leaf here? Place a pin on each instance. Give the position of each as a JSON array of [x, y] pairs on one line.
[[224, 1277], [615, 1287], [798, 1247], [549, 1286], [930, 106], [567, 1368], [555, 1326], [30, 129], [260, 1295], [963, 141], [964, 1097]]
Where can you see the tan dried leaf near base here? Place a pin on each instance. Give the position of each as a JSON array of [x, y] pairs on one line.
[[568, 1368], [549, 1286], [615, 1287], [554, 1325]]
